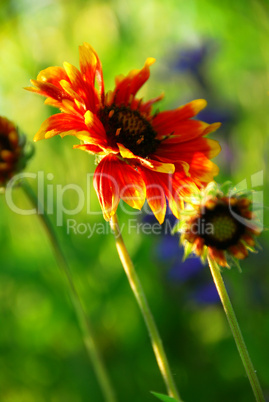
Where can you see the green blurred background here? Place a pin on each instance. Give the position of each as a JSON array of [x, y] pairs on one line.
[[219, 51]]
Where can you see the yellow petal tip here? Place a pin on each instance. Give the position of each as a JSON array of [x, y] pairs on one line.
[[150, 61], [199, 104]]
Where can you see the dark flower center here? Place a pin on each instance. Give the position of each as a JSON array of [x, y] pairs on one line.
[[220, 227], [127, 127], [4, 142]]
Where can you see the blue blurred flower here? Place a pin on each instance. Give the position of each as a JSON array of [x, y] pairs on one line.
[[191, 58], [191, 273]]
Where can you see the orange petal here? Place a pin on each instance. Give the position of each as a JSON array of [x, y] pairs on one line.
[[52, 75], [126, 87], [82, 88], [218, 256], [239, 251], [91, 67], [61, 123], [91, 148], [95, 125], [49, 90], [186, 150], [167, 121], [157, 166], [172, 185], [185, 130], [155, 195], [115, 180]]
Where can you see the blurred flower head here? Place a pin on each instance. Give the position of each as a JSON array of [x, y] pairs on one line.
[[191, 59], [220, 225], [13, 155], [141, 154], [189, 276]]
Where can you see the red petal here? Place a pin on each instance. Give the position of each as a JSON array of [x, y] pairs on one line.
[[53, 75], [126, 87], [186, 151], [172, 186], [115, 180], [183, 131], [49, 90], [91, 67], [91, 148], [85, 90], [155, 195], [61, 123], [144, 107], [168, 120], [95, 126]]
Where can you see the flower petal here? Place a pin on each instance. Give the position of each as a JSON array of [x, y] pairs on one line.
[[186, 150], [84, 90], [53, 75], [172, 185], [158, 166], [49, 90], [126, 153], [155, 195], [115, 180], [127, 87], [167, 121], [91, 148], [61, 123], [91, 67], [148, 163], [185, 130]]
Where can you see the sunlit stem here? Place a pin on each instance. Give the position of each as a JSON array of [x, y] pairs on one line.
[[241, 346], [88, 338], [145, 310]]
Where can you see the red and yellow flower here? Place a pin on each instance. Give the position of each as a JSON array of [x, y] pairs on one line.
[[220, 225], [143, 155]]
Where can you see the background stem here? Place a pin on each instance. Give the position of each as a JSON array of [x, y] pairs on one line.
[[89, 341], [241, 346], [145, 310]]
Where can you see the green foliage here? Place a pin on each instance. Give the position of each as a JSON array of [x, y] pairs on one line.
[[164, 398]]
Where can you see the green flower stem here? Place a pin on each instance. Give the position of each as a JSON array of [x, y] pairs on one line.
[[241, 346], [89, 341], [145, 310]]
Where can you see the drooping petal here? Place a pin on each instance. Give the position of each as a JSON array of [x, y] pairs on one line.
[[114, 180], [155, 195], [171, 185]]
